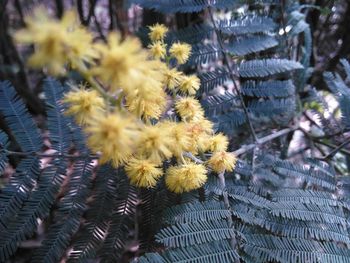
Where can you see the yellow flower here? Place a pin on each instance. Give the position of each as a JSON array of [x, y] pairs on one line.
[[186, 177], [56, 43], [114, 136], [172, 78], [180, 137], [83, 104], [121, 62], [143, 173], [199, 132], [189, 109], [154, 144], [180, 51], [157, 32], [190, 84], [218, 143], [222, 161], [158, 49], [148, 99]]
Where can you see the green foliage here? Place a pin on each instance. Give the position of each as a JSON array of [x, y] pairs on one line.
[[32, 191], [288, 225]]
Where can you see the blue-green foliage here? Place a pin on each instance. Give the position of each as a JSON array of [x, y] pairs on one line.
[[342, 93], [18, 119], [3, 155], [32, 190], [25, 132], [247, 25], [288, 225], [242, 46], [184, 6]]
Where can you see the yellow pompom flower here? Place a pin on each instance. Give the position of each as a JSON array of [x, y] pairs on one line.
[[189, 84], [189, 109], [113, 136], [157, 32], [148, 99], [121, 62], [222, 161], [157, 49], [83, 104], [199, 132], [218, 143], [172, 78], [180, 51], [154, 144], [56, 43], [143, 173], [186, 177], [180, 137]]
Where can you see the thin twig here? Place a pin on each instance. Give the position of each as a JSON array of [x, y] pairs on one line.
[[232, 76], [53, 155], [335, 150], [222, 184], [246, 148]]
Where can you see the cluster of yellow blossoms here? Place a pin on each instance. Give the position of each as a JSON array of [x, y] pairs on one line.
[[125, 108]]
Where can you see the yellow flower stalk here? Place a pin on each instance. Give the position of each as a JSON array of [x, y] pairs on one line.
[[143, 173], [157, 49], [186, 177], [56, 43], [189, 109], [189, 84], [218, 143], [181, 52], [157, 32], [172, 78], [121, 62], [222, 161], [83, 104], [113, 136], [154, 144]]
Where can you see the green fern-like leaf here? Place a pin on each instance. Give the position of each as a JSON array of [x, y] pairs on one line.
[[251, 44], [3, 146], [247, 25], [183, 235], [196, 211], [18, 119], [206, 253], [267, 67], [275, 88], [71, 208], [287, 250]]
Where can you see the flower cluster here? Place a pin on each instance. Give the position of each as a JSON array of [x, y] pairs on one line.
[[127, 106]]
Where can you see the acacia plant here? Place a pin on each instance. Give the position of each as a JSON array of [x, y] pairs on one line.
[[181, 145]]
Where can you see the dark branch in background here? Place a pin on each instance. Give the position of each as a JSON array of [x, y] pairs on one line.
[[80, 9], [19, 10], [59, 8], [9, 56], [232, 76], [55, 155], [246, 148], [91, 12], [331, 154]]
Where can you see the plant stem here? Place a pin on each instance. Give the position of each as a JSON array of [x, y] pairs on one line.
[[233, 77], [246, 148], [70, 156]]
